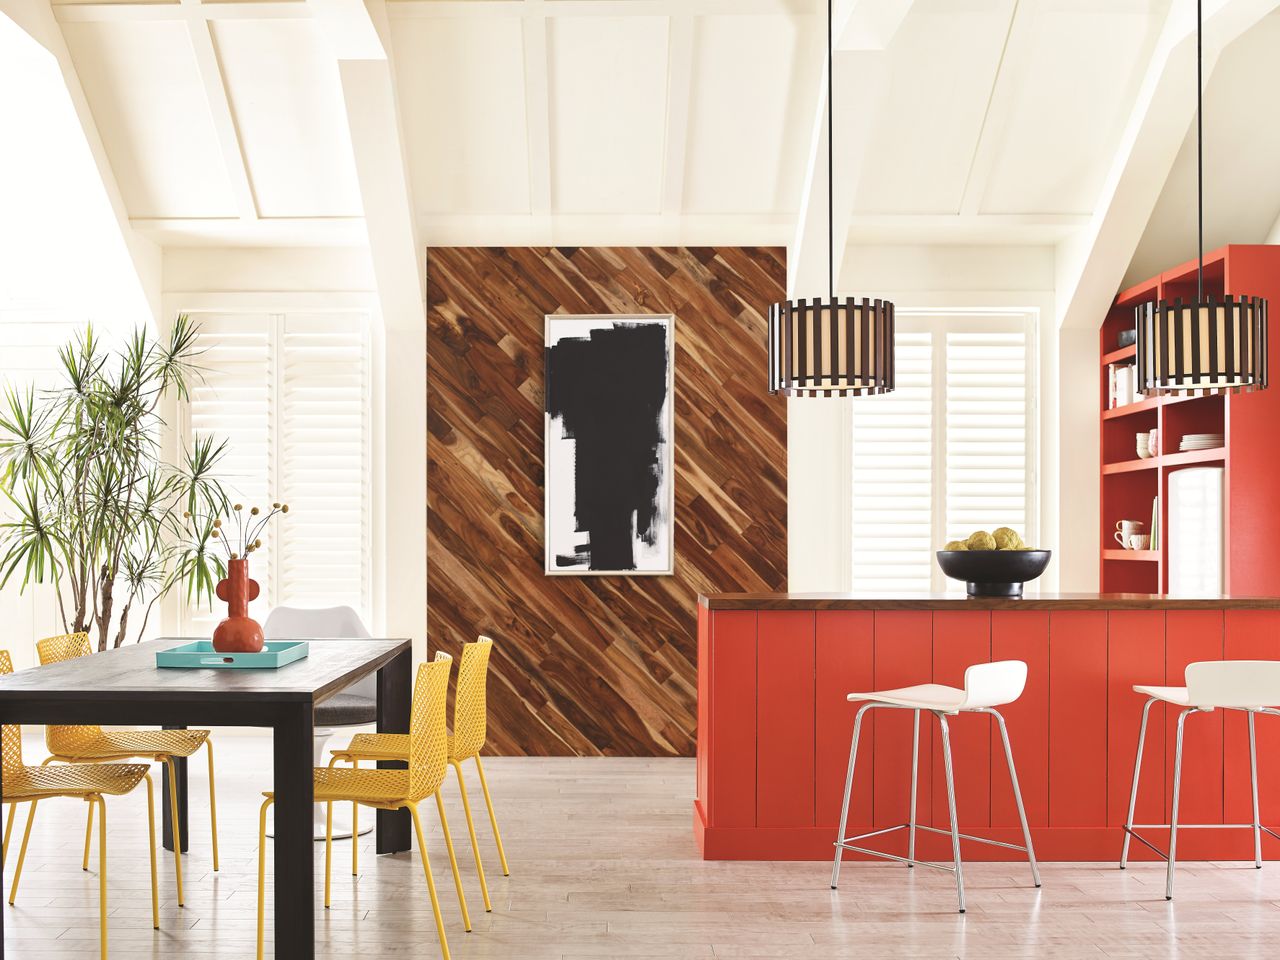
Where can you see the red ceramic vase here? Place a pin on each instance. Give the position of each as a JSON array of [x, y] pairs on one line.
[[238, 633]]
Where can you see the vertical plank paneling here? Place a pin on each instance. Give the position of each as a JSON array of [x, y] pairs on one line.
[[785, 675], [1193, 635], [597, 665], [903, 658], [961, 639], [1019, 635], [731, 786], [845, 662], [1252, 635], [1136, 655], [704, 700], [1077, 718]]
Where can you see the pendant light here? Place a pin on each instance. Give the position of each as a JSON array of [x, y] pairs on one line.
[[833, 347], [1208, 346]]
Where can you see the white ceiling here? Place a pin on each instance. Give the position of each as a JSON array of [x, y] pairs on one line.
[[958, 121]]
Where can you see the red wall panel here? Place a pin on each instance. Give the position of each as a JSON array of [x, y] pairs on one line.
[[845, 660], [704, 699], [1018, 635], [1077, 718], [731, 774], [1194, 635], [903, 658], [785, 676], [961, 639], [1136, 655], [1252, 635]]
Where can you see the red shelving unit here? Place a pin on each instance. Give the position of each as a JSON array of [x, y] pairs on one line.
[[1248, 421]]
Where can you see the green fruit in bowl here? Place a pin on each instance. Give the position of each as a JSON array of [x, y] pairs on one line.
[[956, 545], [981, 540], [1007, 538]]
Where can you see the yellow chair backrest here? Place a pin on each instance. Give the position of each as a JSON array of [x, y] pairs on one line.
[[62, 740], [11, 734], [470, 709], [428, 736]]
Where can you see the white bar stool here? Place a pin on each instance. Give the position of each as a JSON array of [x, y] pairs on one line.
[[986, 686], [1246, 685]]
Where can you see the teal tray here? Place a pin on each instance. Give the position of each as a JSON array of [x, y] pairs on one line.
[[201, 655]]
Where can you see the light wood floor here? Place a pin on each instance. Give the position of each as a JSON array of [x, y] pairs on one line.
[[604, 866]]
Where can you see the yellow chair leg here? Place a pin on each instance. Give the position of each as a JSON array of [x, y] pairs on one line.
[[471, 829], [88, 837], [151, 837], [173, 816], [488, 802], [22, 853], [453, 863], [355, 830], [8, 832], [102, 873], [213, 804], [262, 870], [431, 884], [328, 849]]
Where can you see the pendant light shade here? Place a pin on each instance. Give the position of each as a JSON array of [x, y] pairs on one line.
[[1202, 348], [831, 348], [838, 346]]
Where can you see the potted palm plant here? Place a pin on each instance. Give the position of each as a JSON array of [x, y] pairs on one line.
[[93, 506]]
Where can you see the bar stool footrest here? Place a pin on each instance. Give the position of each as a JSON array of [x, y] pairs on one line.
[[847, 844], [1132, 830]]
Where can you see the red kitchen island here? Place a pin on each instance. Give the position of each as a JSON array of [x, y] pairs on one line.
[[774, 725]]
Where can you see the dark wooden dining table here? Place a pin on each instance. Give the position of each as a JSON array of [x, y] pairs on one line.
[[124, 686]]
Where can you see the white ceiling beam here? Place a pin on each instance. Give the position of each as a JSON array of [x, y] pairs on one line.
[[36, 18], [537, 108], [219, 100], [429, 9], [1015, 60], [247, 10], [399, 268], [868, 24], [680, 44], [1092, 263]]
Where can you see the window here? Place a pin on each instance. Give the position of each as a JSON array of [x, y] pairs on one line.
[[950, 451], [290, 393]]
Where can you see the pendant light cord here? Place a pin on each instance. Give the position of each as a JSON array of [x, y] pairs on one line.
[[831, 136], [1199, 149]]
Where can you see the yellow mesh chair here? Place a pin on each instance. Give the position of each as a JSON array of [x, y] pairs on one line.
[[89, 782], [390, 789], [470, 712], [92, 744]]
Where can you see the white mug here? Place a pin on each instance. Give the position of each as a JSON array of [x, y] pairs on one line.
[[1139, 541], [1126, 529]]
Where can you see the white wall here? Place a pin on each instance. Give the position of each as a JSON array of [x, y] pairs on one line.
[[986, 276]]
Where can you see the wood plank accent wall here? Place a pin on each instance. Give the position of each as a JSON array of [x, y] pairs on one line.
[[595, 665]]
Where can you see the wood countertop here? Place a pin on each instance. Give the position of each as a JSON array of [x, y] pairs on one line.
[[944, 601]]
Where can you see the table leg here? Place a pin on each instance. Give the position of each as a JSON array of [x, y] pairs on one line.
[[393, 717], [166, 817], [295, 906]]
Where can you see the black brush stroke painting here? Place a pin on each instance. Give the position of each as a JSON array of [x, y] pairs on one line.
[[608, 389]]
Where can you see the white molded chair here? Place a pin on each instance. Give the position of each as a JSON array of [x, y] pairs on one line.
[[1252, 686], [986, 686], [354, 707]]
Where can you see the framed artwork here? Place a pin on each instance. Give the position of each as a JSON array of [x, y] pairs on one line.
[[609, 427]]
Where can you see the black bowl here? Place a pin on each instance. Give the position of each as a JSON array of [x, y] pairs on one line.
[[993, 573]]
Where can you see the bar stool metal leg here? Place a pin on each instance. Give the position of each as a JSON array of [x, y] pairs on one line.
[[1253, 772], [915, 764], [1173, 815], [1017, 795], [1133, 792], [848, 787], [951, 807]]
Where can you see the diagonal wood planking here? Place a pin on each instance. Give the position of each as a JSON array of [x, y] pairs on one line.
[[595, 665]]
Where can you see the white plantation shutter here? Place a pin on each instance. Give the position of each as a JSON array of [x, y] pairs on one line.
[[893, 475], [291, 396], [950, 451], [324, 462]]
